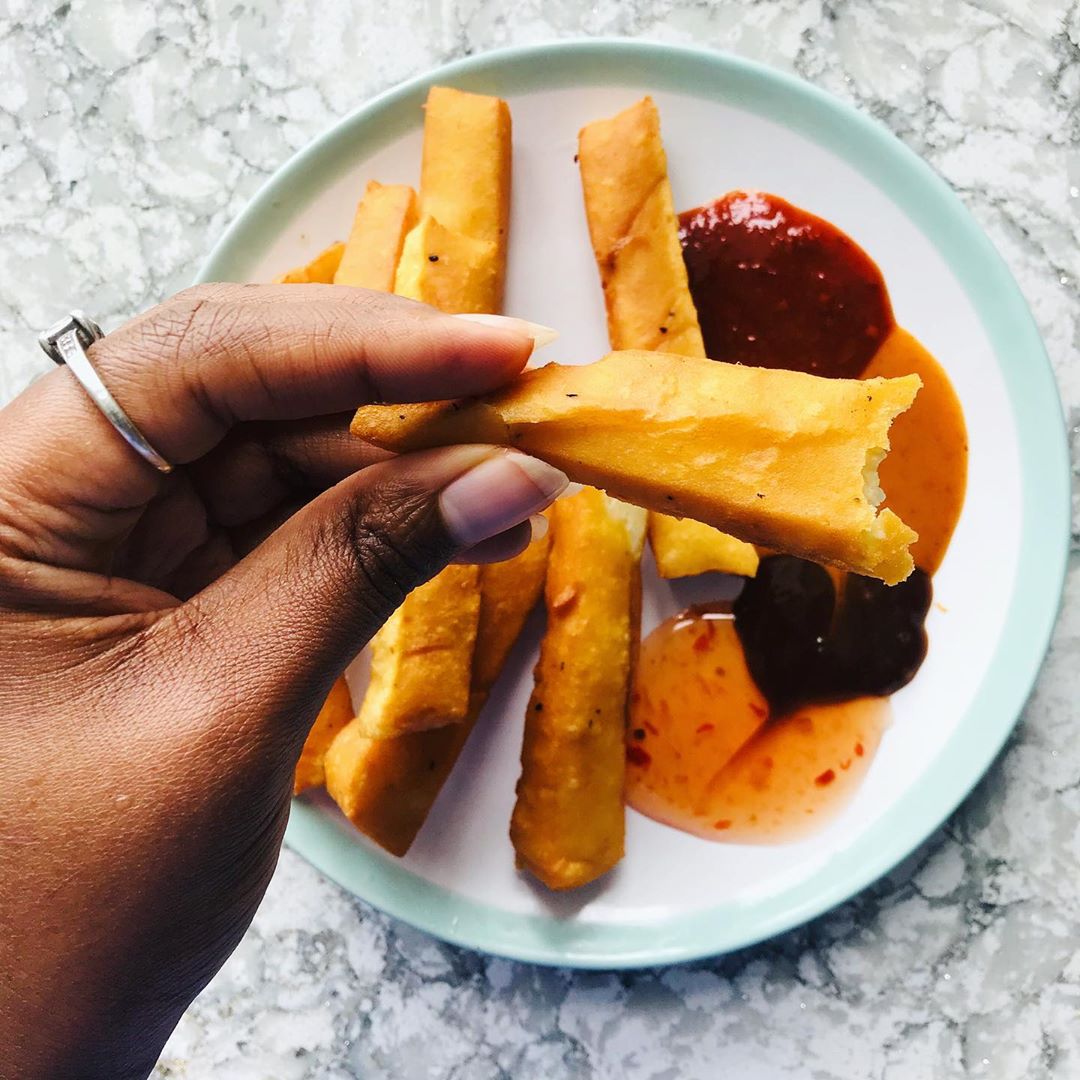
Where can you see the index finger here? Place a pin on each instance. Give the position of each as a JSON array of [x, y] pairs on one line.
[[213, 356], [216, 355]]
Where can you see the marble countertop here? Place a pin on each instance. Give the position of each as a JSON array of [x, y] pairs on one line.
[[131, 133]]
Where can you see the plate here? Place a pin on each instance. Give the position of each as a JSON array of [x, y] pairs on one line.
[[727, 123]]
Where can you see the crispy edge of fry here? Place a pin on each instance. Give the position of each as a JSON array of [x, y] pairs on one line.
[[568, 823], [336, 712], [383, 217], [635, 235], [421, 657], [779, 458], [449, 270], [386, 787], [320, 271], [683, 547]]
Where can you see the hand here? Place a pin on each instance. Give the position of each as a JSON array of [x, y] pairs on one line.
[[166, 641]]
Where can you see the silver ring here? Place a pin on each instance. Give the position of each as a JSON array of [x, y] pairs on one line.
[[66, 343]]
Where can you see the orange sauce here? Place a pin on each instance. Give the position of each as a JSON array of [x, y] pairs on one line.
[[925, 474], [703, 758]]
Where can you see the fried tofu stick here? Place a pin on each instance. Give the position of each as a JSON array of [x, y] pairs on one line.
[[635, 237], [465, 172], [777, 458], [449, 270], [568, 824], [337, 711], [455, 258], [421, 658], [320, 271], [386, 787], [383, 217], [421, 668]]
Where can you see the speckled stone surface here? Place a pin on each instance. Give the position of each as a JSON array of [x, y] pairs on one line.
[[130, 134]]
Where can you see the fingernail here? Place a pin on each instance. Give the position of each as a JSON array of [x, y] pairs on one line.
[[540, 335], [539, 526], [497, 494]]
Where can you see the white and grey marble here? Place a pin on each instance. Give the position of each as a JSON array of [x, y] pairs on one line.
[[131, 132]]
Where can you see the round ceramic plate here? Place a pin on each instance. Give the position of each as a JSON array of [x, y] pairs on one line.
[[726, 124]]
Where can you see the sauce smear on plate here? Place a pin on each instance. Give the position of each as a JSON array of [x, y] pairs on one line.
[[706, 756]]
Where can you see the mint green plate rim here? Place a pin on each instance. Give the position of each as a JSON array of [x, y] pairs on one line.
[[1032, 607]]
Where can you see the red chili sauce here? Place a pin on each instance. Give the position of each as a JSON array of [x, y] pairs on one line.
[[778, 287]]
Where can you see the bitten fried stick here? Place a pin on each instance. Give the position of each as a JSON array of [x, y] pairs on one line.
[[385, 214], [568, 824], [635, 237], [455, 258], [337, 711], [320, 271], [386, 787], [777, 458]]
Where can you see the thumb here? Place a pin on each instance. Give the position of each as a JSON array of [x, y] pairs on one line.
[[288, 618]]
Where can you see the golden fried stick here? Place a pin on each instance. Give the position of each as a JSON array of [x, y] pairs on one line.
[[320, 271], [465, 173], [421, 657], [337, 711], [568, 823], [455, 258], [777, 458], [386, 787], [449, 270], [385, 214], [415, 685], [635, 237]]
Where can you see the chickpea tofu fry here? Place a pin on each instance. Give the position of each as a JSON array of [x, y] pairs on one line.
[[337, 711], [682, 547], [449, 270], [415, 685], [568, 824], [635, 238], [465, 173], [421, 658], [320, 271], [383, 218], [777, 458], [635, 234], [455, 258], [386, 787]]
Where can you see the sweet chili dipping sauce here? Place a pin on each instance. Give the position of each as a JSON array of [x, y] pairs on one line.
[[756, 721]]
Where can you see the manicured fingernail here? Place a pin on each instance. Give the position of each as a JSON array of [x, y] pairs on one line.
[[497, 494], [539, 525], [541, 335]]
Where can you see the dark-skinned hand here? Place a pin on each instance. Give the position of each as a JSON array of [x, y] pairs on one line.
[[166, 641]]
